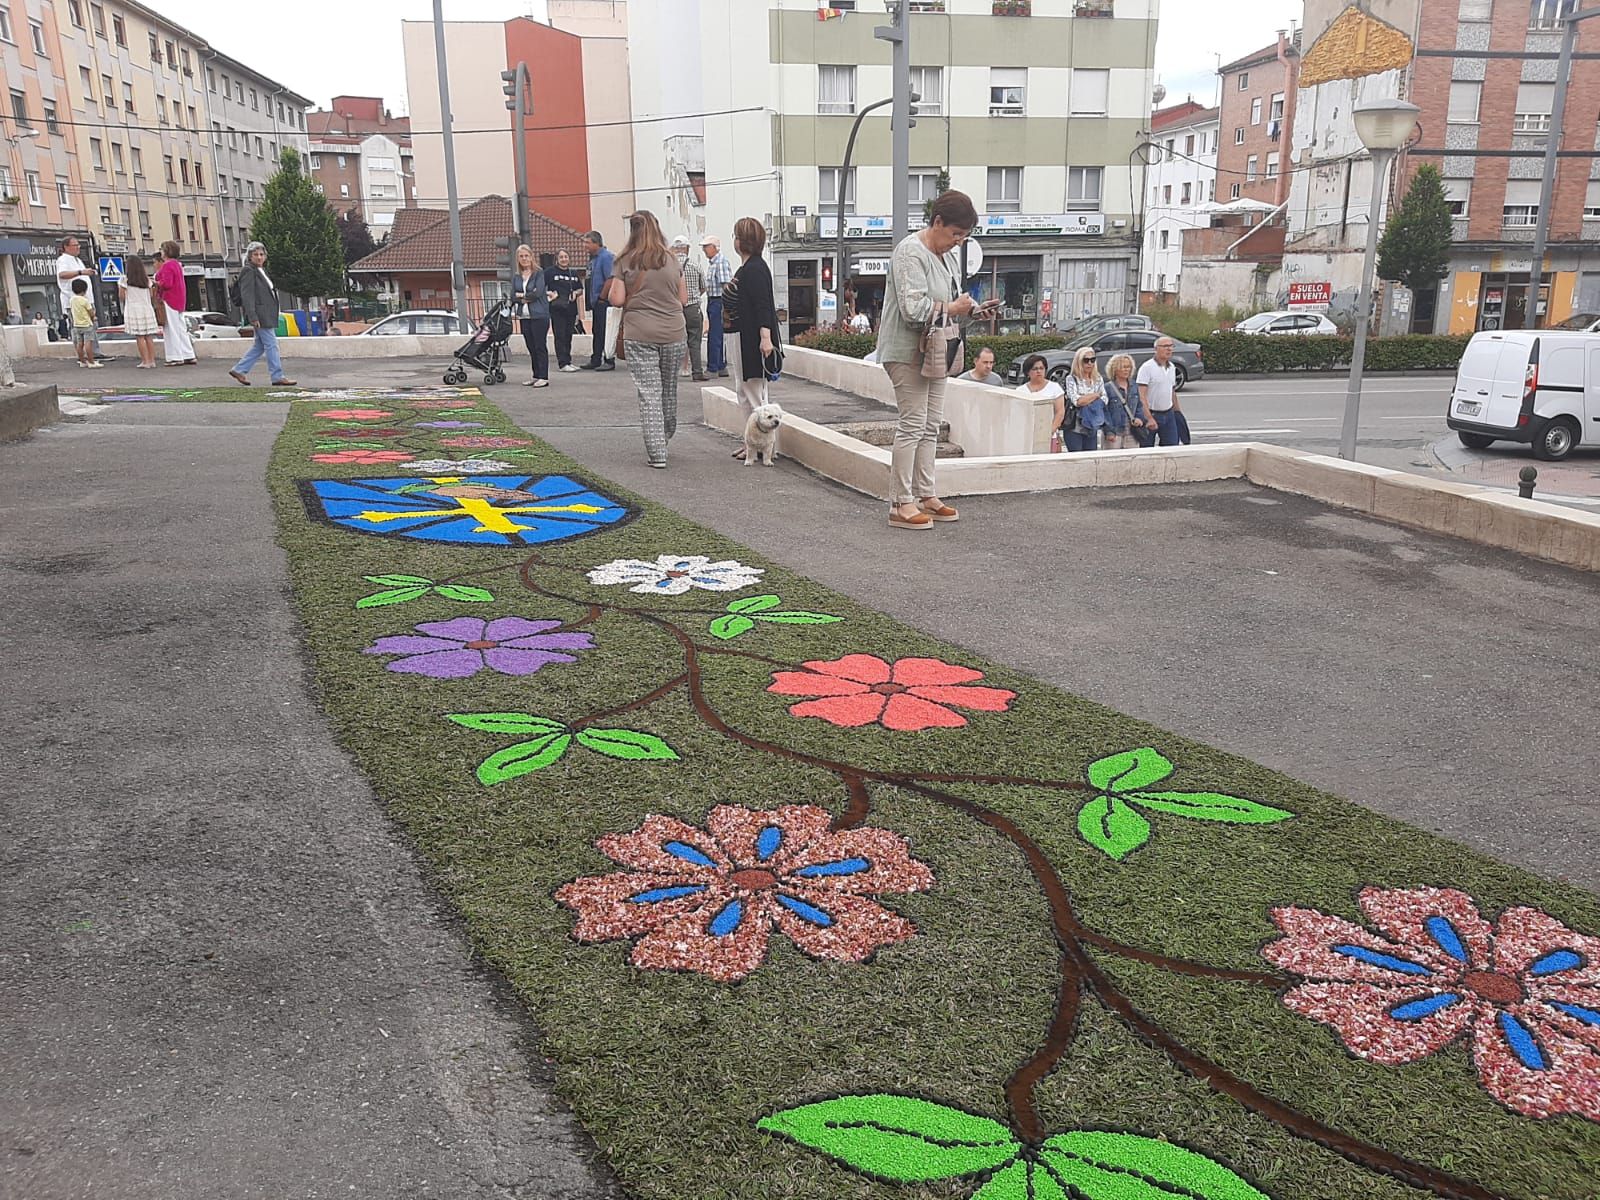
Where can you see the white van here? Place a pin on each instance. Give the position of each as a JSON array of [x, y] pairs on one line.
[[1528, 385]]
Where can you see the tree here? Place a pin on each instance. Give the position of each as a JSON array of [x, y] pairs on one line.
[[941, 185], [304, 254], [1415, 250], [355, 235]]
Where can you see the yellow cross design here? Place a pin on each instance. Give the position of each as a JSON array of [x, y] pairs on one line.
[[490, 519]]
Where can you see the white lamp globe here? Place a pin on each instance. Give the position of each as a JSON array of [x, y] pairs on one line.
[[1386, 124]]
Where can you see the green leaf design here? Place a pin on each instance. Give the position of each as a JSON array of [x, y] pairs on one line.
[[1130, 770], [1108, 824], [627, 744], [897, 1138], [798, 618], [1125, 1166], [468, 595], [396, 580], [506, 723], [754, 604], [1009, 1184], [730, 627], [394, 596], [1210, 806], [523, 758]]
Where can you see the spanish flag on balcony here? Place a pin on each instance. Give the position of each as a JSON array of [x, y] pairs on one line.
[[828, 14]]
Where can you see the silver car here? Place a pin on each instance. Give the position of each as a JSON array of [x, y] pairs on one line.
[[1188, 360]]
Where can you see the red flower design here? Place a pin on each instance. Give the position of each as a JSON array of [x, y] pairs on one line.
[[363, 457], [910, 694], [362, 432], [706, 900], [1527, 990], [355, 414], [482, 442]]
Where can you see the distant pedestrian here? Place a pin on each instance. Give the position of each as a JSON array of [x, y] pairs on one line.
[[601, 265], [923, 284], [530, 303], [648, 288], [861, 323], [563, 288], [1085, 397], [68, 268], [138, 310], [719, 273], [259, 299], [1037, 385], [750, 317], [1127, 419], [172, 294], [1158, 380], [83, 331], [694, 322], [983, 370]]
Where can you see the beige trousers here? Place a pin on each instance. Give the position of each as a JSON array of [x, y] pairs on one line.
[[916, 434]]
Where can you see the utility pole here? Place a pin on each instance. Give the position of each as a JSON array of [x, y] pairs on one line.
[[842, 190], [458, 254], [1541, 234], [519, 100], [898, 35]]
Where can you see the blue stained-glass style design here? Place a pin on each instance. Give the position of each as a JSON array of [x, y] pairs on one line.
[[468, 510]]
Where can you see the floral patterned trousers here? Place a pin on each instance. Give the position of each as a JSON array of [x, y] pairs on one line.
[[655, 374]]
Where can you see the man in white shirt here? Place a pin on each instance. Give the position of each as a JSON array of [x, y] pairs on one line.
[[69, 267], [861, 323], [1158, 384]]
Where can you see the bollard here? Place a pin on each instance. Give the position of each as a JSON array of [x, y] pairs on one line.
[[1529, 476]]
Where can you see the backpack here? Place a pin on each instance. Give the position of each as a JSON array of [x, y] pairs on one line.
[[234, 298]]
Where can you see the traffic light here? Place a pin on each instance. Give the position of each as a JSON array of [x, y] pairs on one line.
[[509, 87], [827, 274]]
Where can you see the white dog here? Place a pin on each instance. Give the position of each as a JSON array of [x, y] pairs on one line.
[[761, 435]]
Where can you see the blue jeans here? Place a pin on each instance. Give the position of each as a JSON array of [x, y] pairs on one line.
[[266, 342], [1080, 439], [716, 361], [1166, 427]]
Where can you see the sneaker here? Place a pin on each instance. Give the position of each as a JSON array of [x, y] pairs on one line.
[[569, 367], [589, 366], [701, 378], [94, 366], [606, 366], [722, 374]]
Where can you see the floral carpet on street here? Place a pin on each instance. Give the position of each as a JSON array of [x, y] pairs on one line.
[[807, 904]]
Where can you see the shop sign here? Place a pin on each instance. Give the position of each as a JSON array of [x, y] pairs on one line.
[[872, 266], [216, 272], [1048, 225], [40, 261], [857, 227], [194, 270], [1310, 295]]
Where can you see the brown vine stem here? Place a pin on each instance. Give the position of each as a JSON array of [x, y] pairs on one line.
[[1078, 969], [645, 701], [860, 806]]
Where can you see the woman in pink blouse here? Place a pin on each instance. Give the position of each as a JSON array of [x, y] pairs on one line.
[[172, 291]]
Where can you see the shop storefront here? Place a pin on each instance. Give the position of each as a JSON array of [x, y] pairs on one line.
[[31, 283]]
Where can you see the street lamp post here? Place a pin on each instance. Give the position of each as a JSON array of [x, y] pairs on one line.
[[841, 188], [520, 104], [458, 257], [1384, 127]]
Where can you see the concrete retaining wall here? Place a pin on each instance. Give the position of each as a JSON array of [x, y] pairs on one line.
[[26, 341], [1484, 516], [25, 408]]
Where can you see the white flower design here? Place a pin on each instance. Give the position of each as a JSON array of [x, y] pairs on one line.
[[450, 466], [675, 574]]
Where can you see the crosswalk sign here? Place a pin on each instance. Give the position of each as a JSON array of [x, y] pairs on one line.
[[111, 268]]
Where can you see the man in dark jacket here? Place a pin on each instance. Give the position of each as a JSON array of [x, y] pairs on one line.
[[259, 299]]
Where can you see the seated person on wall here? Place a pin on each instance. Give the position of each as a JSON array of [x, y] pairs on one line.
[[983, 370]]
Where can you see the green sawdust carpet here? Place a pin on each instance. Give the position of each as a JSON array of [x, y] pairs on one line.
[[809, 905]]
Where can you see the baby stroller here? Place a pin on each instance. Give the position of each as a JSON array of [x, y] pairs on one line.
[[486, 351]]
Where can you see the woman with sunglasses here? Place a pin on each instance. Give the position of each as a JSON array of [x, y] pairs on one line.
[[1086, 393]]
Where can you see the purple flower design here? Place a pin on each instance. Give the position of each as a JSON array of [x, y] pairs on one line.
[[449, 424], [463, 646]]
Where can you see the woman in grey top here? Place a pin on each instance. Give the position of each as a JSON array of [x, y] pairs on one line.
[[647, 288], [530, 304], [925, 271]]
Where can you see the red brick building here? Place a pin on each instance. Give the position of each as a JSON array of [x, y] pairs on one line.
[[1483, 77], [361, 158], [414, 265], [1257, 121]]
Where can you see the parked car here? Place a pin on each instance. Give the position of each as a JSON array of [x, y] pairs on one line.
[[1580, 323], [421, 321], [1281, 323], [1527, 385], [211, 325], [1188, 360], [1105, 323]]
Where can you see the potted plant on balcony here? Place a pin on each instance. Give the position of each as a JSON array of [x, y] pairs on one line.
[[1013, 8]]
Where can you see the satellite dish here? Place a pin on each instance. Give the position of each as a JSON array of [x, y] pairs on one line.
[[1160, 93]]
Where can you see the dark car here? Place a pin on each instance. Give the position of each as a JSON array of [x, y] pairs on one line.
[[1138, 344], [1105, 323]]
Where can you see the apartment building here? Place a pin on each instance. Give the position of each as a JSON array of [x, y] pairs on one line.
[[42, 193], [361, 158], [252, 121], [579, 142], [1033, 109], [1257, 120], [1182, 188]]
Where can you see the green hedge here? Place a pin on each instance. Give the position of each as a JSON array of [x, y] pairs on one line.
[[859, 345], [1243, 354]]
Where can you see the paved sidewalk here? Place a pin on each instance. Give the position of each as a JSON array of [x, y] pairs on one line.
[[1575, 478]]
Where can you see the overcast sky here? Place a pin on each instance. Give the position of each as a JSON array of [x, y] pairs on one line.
[[320, 48]]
